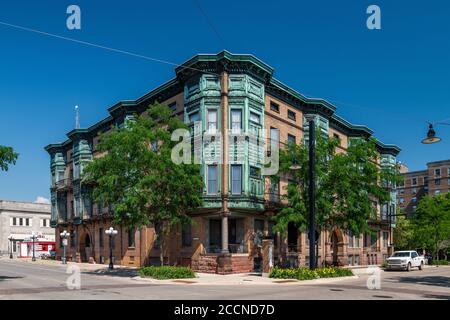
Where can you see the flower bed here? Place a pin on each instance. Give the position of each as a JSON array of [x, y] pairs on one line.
[[166, 272], [304, 273]]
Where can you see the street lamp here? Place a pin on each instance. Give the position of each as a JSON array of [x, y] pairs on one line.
[[64, 236], [311, 188], [431, 134], [33, 237], [111, 232], [11, 239]]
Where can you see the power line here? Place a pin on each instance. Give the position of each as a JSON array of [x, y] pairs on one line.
[[143, 56], [209, 21], [99, 46]]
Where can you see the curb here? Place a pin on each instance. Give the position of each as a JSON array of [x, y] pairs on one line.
[[246, 282]]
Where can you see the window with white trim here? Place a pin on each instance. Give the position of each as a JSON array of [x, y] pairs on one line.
[[212, 121], [236, 121]]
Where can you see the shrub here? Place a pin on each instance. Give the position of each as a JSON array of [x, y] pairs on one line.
[[304, 273], [439, 262], [166, 272]]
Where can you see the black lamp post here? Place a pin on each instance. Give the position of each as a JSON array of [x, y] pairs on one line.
[[11, 239], [311, 189], [64, 236], [111, 232], [33, 237]]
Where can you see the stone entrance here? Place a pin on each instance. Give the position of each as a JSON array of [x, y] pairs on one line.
[[337, 248], [85, 247]]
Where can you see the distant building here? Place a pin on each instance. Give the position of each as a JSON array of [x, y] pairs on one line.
[[432, 181], [19, 220]]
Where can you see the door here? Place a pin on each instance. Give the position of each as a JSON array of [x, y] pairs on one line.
[[215, 236], [414, 259]]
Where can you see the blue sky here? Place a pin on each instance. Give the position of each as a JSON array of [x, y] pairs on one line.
[[392, 80]]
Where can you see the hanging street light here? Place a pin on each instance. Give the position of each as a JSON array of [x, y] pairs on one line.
[[431, 134]]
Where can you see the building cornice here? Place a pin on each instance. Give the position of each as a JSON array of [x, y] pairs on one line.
[[20, 206], [215, 64]]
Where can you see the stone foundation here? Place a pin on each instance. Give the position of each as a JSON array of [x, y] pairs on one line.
[[223, 264]]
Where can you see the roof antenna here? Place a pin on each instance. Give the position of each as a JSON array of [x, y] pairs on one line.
[[77, 118]]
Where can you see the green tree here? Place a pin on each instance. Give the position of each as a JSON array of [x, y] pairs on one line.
[[348, 185], [431, 223], [7, 157], [136, 175], [403, 234]]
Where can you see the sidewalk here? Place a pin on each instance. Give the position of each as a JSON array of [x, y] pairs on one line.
[[131, 273], [55, 263]]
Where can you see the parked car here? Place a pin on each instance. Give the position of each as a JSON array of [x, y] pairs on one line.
[[405, 260]]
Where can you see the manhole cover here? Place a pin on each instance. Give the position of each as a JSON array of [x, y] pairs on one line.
[[383, 297], [336, 290]]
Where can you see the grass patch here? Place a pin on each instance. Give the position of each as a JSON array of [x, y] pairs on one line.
[[439, 262], [304, 273], [166, 272]]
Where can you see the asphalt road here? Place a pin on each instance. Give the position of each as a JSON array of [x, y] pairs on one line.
[[20, 280]]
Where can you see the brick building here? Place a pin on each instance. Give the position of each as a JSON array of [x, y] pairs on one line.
[[431, 181], [212, 93]]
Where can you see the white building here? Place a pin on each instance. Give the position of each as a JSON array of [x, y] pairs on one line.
[[20, 220]]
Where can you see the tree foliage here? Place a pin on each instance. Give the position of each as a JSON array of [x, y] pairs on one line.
[[136, 175], [403, 234], [348, 185], [431, 224], [7, 157]]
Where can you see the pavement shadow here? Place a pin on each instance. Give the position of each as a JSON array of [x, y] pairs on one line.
[[124, 273], [439, 281], [3, 278], [437, 296]]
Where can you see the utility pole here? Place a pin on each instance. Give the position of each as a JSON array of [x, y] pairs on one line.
[[312, 190]]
